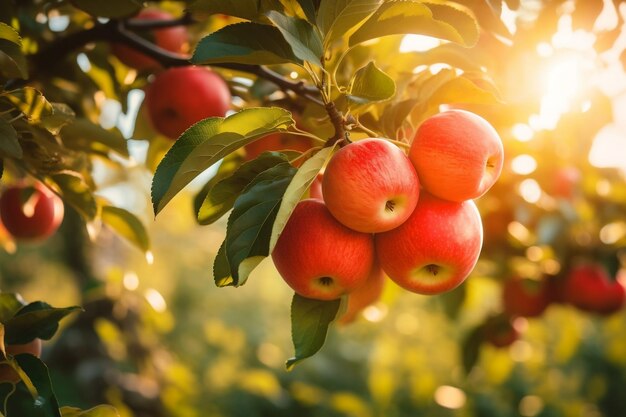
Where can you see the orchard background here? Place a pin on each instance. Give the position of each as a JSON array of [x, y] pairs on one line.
[[153, 336]]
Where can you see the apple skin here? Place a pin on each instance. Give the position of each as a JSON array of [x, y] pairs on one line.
[[458, 155], [589, 288], [46, 216], [315, 190], [173, 39], [277, 142], [500, 332], [370, 186], [182, 96], [436, 249], [365, 295], [525, 297], [7, 374], [319, 257]]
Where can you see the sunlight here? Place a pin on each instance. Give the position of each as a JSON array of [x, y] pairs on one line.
[[523, 164], [450, 397], [418, 43], [608, 147]]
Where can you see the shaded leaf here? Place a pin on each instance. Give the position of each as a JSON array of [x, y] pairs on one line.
[[244, 9], [336, 17], [97, 411], [13, 62], [61, 115], [109, 8], [9, 305], [470, 348], [309, 8], [303, 38], [309, 324], [30, 102], [127, 225], [296, 189], [250, 223], [21, 402], [35, 320], [208, 141], [228, 165], [83, 135], [245, 43], [401, 17], [77, 193], [9, 144], [370, 84], [221, 268]]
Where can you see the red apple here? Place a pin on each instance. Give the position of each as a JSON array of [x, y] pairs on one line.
[[315, 191], [182, 96], [564, 182], [172, 39], [370, 186], [458, 155], [365, 295], [525, 297], [30, 211], [7, 374], [589, 287], [436, 249], [277, 142], [319, 257], [500, 332]]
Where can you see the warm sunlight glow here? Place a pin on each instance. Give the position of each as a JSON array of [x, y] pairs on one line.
[[523, 164], [418, 43], [375, 313], [156, 300], [608, 148], [613, 232], [530, 406], [450, 397], [530, 191], [522, 132], [131, 281]]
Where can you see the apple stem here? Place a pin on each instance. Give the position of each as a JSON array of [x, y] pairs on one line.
[[336, 117]]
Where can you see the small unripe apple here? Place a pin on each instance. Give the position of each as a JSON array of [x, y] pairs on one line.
[[436, 249], [182, 96], [589, 288], [365, 295], [370, 186], [7, 374], [30, 212], [458, 155], [173, 39], [277, 142], [525, 297], [319, 257]]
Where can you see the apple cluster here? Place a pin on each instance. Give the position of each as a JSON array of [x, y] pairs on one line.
[[376, 211]]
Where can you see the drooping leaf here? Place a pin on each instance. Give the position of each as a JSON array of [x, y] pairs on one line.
[[111, 8], [245, 43], [127, 225], [77, 192], [12, 59], [208, 141], [37, 319], [336, 17], [97, 411], [470, 348], [222, 196], [221, 268], [30, 102], [296, 189], [21, 402], [401, 17], [245, 9], [370, 84], [10, 304], [83, 135], [228, 165], [9, 145], [250, 223], [309, 324], [301, 36]]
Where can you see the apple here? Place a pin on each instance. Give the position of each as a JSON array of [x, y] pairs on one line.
[[277, 142], [315, 190], [365, 295], [436, 249], [458, 155], [182, 96], [370, 186], [525, 297], [172, 39], [589, 288], [30, 212], [7, 374], [500, 332], [319, 257], [565, 182]]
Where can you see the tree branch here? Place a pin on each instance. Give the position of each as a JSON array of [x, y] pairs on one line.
[[340, 130]]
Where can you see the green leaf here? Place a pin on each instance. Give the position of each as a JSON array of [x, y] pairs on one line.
[[245, 9], [336, 17], [401, 17], [228, 165], [470, 348], [309, 9], [127, 225], [296, 189], [61, 115], [222, 196], [221, 268], [9, 305], [21, 402], [83, 135], [97, 411], [245, 43], [30, 102], [110, 8], [301, 36], [462, 90], [208, 141], [309, 324], [13, 62], [77, 193], [250, 223], [370, 84], [9, 144], [36, 319]]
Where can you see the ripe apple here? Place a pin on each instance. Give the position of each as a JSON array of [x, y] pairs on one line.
[[7, 374], [500, 332], [319, 257], [565, 182], [30, 211], [182, 96], [365, 295], [525, 297], [173, 39], [436, 249], [277, 142], [458, 155], [315, 190], [370, 186], [589, 288]]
